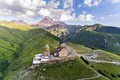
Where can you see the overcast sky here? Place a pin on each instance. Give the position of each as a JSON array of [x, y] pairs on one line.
[[70, 11]]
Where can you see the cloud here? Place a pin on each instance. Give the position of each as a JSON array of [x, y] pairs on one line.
[[114, 15], [67, 16], [22, 16], [115, 1], [30, 9], [91, 3], [20, 8], [51, 10], [102, 18], [5, 12], [68, 4], [52, 4], [96, 3], [85, 17], [88, 2], [44, 12], [79, 5], [30, 13]]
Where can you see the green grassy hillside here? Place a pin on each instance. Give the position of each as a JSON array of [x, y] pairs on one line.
[[32, 42], [108, 70], [18, 48], [71, 70], [106, 41], [19, 45], [17, 42], [29, 48], [111, 71]]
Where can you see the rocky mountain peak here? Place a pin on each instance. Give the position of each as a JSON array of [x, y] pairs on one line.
[[46, 19]]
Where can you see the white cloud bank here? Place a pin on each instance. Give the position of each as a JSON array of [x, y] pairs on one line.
[[115, 1], [29, 9], [20, 8], [84, 17], [91, 3]]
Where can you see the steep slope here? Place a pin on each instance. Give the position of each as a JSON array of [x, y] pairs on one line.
[[10, 41], [30, 47], [12, 38], [98, 36], [56, 28]]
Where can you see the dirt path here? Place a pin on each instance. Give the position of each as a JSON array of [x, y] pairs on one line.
[[90, 57], [34, 37], [99, 75]]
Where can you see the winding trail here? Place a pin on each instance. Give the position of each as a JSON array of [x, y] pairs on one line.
[[34, 37], [99, 75], [92, 57], [7, 48]]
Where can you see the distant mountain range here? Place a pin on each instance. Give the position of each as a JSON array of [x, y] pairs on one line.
[[93, 36], [19, 21]]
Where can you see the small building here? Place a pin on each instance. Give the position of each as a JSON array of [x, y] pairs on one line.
[[37, 59], [47, 50], [63, 52], [40, 58]]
